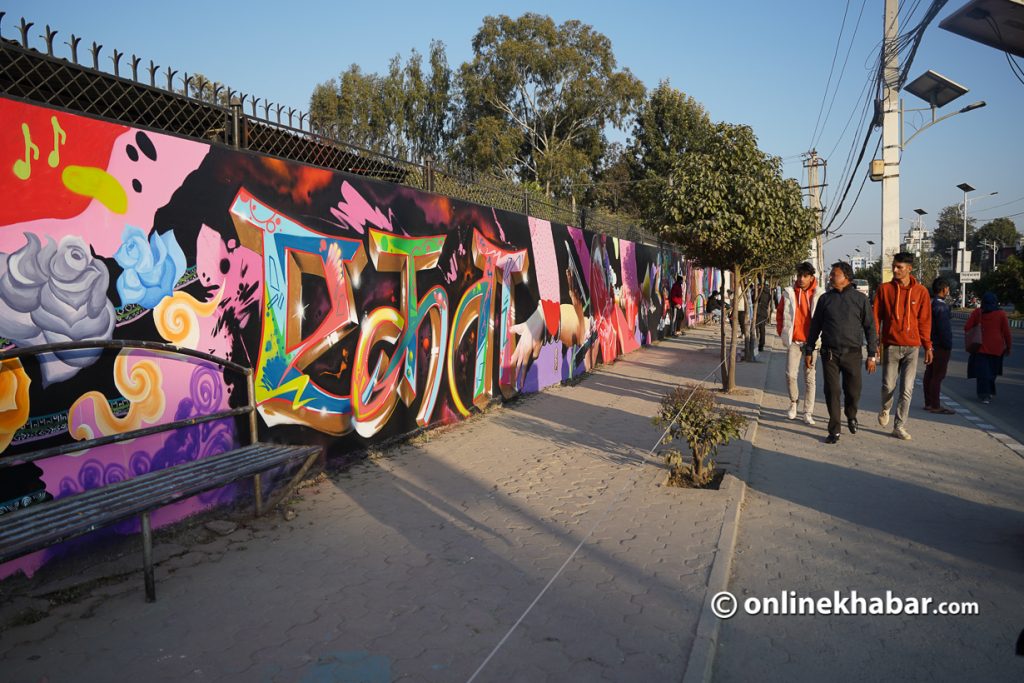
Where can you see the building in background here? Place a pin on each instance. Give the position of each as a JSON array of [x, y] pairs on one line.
[[918, 242]]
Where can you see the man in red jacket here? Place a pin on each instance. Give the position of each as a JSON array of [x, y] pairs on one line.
[[903, 316]]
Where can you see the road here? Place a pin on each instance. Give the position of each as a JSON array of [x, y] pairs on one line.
[[1004, 411]]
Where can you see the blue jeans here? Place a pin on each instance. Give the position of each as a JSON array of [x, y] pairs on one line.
[[898, 362]]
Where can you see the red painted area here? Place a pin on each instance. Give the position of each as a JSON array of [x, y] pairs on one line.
[[42, 194]]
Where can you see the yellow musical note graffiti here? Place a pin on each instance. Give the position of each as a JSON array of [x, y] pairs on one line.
[[54, 158], [23, 167]]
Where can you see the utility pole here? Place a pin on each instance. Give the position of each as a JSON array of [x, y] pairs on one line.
[[890, 140], [812, 162]]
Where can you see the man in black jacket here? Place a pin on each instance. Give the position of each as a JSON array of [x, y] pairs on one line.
[[942, 347], [843, 319]]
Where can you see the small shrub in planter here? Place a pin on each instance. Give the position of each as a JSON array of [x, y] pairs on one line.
[[693, 416]]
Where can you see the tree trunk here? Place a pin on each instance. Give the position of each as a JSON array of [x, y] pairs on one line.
[[729, 369]]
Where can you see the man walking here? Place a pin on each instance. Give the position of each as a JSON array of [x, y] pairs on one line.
[[793, 323], [843, 321], [942, 347], [903, 313]]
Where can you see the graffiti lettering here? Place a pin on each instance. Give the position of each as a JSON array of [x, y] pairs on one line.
[[284, 392], [375, 392], [478, 304]]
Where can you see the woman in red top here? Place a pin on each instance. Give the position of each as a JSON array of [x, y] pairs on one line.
[[987, 362]]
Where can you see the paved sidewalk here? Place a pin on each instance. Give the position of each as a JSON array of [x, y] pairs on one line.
[[941, 516], [415, 564]]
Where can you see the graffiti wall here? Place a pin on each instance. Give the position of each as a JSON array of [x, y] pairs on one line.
[[367, 309]]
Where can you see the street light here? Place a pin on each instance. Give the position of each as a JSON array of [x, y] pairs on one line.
[[870, 258], [918, 230], [993, 245], [965, 260], [937, 91]]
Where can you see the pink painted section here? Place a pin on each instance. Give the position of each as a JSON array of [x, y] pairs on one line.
[[630, 295], [356, 213], [175, 159], [239, 288], [544, 260], [582, 250]]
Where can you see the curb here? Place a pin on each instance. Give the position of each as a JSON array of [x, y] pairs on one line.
[[701, 661]]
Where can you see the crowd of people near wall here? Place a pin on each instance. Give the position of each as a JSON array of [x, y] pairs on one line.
[[904, 323]]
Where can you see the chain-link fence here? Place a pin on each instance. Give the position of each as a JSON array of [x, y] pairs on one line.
[[213, 112]]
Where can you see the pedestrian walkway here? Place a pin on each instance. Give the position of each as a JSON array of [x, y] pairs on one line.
[[536, 542], [941, 516]]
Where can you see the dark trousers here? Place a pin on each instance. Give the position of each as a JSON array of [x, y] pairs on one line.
[[986, 369], [934, 373], [677, 320], [845, 365], [762, 325]]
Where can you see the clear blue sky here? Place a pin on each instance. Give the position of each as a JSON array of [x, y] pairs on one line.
[[765, 64]]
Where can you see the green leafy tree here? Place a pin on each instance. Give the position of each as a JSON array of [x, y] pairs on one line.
[[873, 274], [536, 99], [729, 208], [950, 230], [614, 187], [1001, 232], [668, 124], [405, 112], [202, 88], [1007, 281]]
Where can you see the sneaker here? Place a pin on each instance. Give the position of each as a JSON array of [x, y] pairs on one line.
[[852, 424], [901, 433], [986, 400], [809, 419], [832, 438], [792, 410], [883, 417]]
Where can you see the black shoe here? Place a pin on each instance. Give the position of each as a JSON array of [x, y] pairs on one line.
[[852, 424], [832, 438]]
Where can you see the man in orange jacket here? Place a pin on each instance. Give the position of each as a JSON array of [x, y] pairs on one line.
[[903, 316]]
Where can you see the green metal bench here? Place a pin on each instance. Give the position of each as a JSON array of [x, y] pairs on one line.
[[39, 526]]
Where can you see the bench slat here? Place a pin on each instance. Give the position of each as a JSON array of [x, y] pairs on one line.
[[38, 526]]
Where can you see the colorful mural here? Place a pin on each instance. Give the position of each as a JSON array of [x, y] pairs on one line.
[[367, 309]]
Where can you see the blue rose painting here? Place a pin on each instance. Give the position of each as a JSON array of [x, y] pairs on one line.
[[151, 269]]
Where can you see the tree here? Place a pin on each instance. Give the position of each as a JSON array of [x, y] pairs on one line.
[[203, 89], [404, 113], [950, 230], [1002, 232], [728, 207], [614, 187], [873, 274], [537, 97], [1007, 281], [669, 123]]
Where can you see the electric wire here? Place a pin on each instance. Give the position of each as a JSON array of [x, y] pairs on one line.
[[831, 70], [842, 72], [907, 42]]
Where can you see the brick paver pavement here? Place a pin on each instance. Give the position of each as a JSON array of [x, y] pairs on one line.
[[941, 516], [414, 564]]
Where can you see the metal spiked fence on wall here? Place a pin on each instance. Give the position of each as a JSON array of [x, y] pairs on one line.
[[197, 108]]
